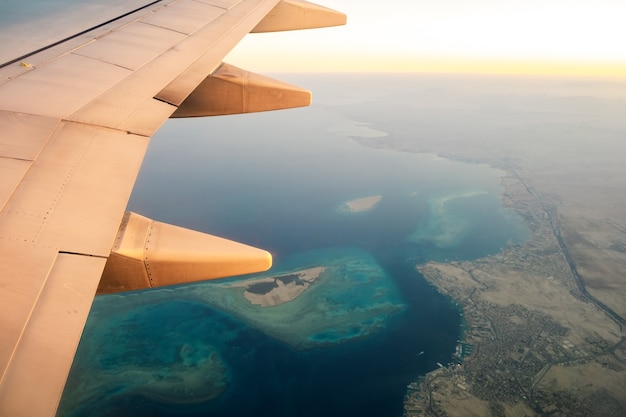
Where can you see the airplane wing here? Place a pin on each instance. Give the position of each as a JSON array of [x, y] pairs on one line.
[[76, 115]]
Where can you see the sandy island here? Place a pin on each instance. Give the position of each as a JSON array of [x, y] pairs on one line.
[[347, 297], [279, 289], [362, 204]]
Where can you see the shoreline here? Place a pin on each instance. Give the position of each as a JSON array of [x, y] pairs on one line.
[[527, 327]]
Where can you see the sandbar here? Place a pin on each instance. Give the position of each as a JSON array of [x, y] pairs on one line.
[[279, 289], [362, 204]]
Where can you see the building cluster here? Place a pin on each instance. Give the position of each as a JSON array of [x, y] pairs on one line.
[[506, 352]]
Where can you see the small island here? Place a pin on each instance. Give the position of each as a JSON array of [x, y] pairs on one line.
[[361, 204], [279, 289], [347, 297]]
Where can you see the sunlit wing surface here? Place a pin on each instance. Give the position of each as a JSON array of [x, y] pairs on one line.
[[76, 115]]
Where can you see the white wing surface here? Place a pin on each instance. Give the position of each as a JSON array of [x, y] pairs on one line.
[[76, 115]]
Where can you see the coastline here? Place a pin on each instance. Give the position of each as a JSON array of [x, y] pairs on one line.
[[531, 336]]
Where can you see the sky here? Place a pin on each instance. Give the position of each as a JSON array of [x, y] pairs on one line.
[[585, 37]]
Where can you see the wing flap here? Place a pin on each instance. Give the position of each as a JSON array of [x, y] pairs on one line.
[[23, 135], [20, 284], [13, 170], [74, 195], [33, 381], [122, 110]]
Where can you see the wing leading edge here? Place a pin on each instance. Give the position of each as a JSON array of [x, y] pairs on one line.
[[75, 121]]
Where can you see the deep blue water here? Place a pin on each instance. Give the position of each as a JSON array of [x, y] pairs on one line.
[[277, 181]]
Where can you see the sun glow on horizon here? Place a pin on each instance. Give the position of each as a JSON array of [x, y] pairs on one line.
[[575, 37]]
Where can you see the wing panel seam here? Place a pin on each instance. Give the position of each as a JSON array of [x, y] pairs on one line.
[[26, 323], [76, 35], [63, 252]]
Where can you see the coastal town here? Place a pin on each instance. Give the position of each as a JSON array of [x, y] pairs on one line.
[[535, 341]]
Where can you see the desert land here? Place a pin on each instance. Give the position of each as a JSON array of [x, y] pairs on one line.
[[545, 320]]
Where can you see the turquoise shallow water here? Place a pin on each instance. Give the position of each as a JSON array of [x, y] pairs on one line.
[[331, 311], [350, 342]]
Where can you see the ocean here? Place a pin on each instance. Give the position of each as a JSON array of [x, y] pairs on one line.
[[291, 182]]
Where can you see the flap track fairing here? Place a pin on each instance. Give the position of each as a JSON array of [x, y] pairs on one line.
[[231, 90], [150, 254]]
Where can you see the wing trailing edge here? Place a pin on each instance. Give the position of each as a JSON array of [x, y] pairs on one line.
[[36, 353], [150, 254]]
